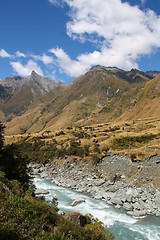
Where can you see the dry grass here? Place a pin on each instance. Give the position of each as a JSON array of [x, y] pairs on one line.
[[143, 135]]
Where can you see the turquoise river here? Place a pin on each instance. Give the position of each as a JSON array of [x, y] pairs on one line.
[[123, 227]]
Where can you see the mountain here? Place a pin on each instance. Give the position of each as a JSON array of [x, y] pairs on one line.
[[17, 94], [102, 94]]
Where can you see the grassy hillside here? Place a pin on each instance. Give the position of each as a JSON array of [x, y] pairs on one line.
[[97, 96], [137, 138]]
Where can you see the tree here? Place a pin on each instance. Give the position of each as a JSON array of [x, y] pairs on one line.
[[12, 162], [2, 127]]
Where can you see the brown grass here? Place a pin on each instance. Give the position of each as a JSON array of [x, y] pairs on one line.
[[105, 134]]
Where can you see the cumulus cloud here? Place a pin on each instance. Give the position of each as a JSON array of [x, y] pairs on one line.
[[4, 54], [123, 32], [25, 70], [44, 58], [71, 67]]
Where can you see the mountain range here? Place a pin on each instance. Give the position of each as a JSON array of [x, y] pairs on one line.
[[103, 94]]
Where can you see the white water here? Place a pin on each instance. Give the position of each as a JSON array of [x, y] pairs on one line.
[[124, 227]]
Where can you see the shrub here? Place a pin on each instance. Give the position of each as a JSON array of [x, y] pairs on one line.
[[131, 141]]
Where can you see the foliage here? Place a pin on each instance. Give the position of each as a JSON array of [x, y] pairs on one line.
[[40, 151], [81, 134], [2, 127], [24, 217], [131, 141], [12, 162], [96, 159], [28, 218]]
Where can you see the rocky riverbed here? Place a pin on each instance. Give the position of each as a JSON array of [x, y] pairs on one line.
[[116, 180]]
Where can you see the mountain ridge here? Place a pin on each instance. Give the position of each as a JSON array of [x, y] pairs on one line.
[[17, 93], [101, 94]]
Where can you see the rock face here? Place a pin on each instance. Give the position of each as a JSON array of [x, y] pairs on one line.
[[122, 193], [17, 94]]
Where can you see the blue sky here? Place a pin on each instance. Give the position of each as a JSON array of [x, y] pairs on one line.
[[62, 39]]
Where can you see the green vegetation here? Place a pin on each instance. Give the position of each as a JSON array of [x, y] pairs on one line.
[[39, 150], [131, 141], [25, 217], [12, 162]]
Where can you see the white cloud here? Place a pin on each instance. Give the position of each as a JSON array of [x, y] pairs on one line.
[[25, 70], [123, 32], [4, 54], [20, 54], [67, 65], [44, 58], [56, 2]]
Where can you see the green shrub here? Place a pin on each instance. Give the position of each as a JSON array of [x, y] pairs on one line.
[[131, 141]]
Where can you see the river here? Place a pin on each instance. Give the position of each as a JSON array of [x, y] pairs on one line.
[[123, 227]]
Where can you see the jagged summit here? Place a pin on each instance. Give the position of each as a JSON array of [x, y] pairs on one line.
[[35, 76], [33, 73], [17, 94]]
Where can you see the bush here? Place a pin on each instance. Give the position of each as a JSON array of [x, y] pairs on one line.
[[23, 217], [131, 141]]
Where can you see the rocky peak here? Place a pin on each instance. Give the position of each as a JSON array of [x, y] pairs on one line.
[[152, 74], [35, 75], [42, 83]]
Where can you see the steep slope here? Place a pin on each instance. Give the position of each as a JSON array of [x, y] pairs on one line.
[[100, 95], [9, 85], [148, 103], [18, 94]]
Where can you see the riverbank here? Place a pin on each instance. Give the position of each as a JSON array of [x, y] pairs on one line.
[[110, 182]]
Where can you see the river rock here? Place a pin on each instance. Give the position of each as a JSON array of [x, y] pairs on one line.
[[127, 206], [116, 201], [157, 199], [41, 191], [105, 195], [77, 202], [157, 212], [99, 182], [137, 213], [98, 196], [44, 174]]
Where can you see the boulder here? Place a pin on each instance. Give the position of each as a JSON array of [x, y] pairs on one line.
[[116, 201], [136, 206], [107, 195], [129, 198], [157, 199], [77, 202], [137, 213], [127, 206], [157, 212], [98, 196], [99, 182], [44, 174], [41, 191]]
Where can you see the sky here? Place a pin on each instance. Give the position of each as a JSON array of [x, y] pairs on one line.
[[62, 39]]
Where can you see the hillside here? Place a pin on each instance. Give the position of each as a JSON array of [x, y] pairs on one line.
[[101, 95], [18, 94]]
